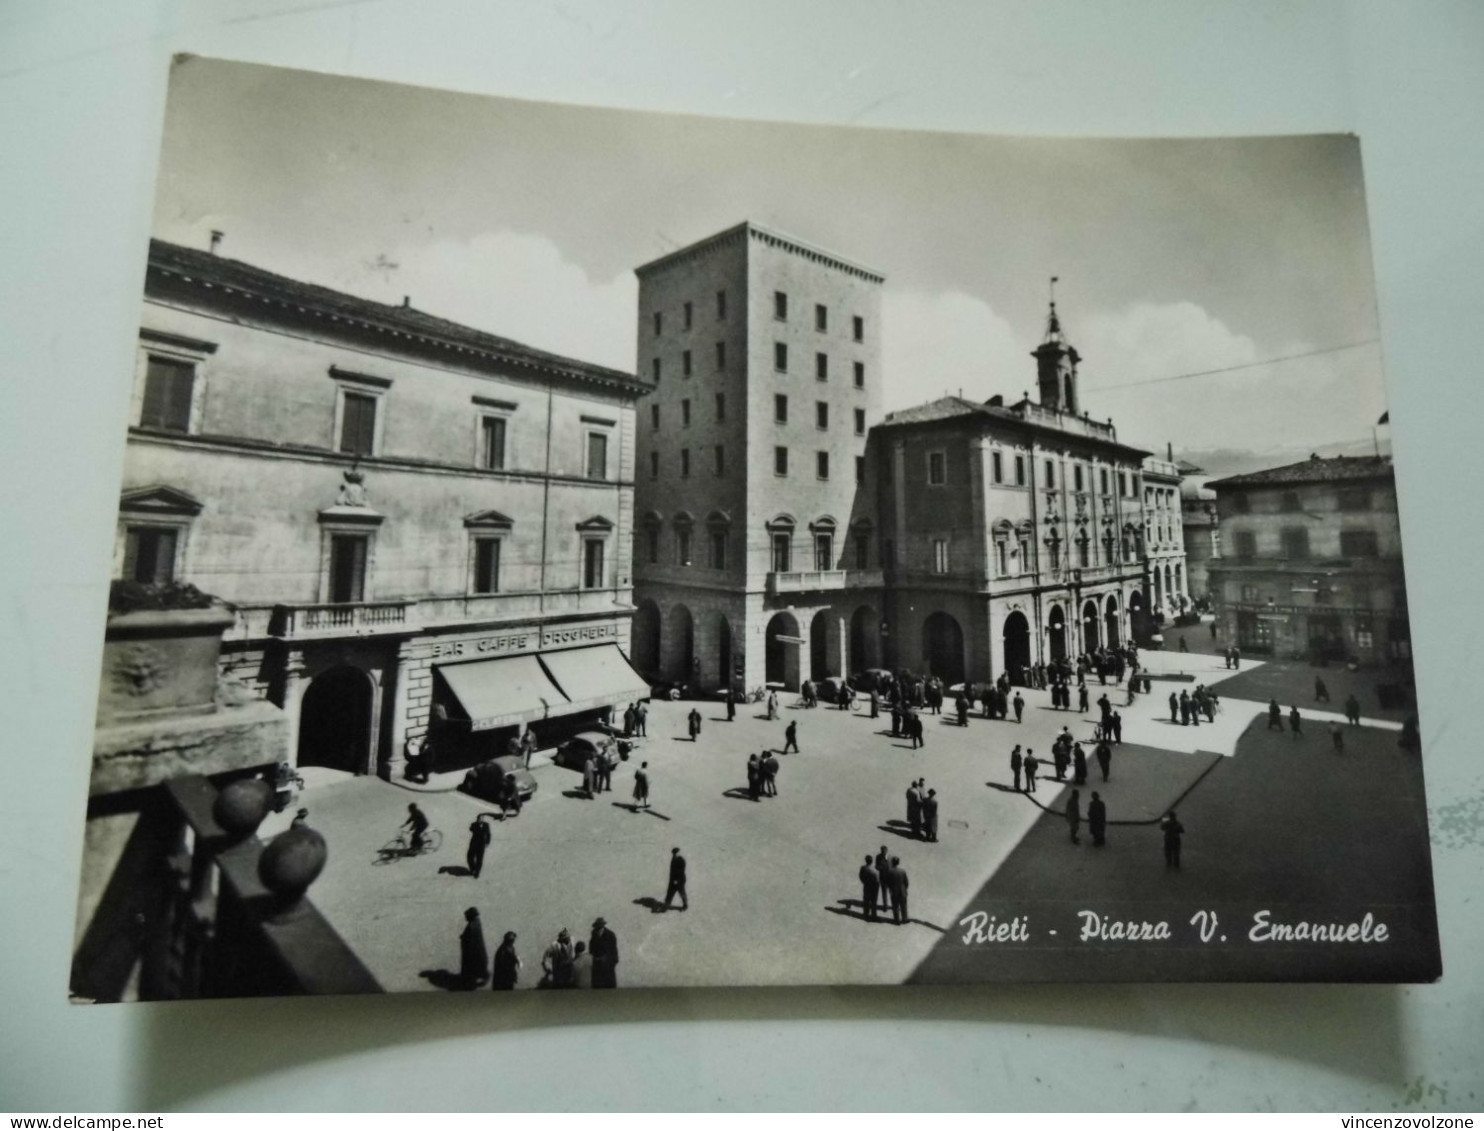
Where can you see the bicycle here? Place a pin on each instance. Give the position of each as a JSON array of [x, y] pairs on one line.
[[400, 847], [757, 694]]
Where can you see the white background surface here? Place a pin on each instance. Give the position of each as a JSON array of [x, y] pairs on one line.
[[81, 97]]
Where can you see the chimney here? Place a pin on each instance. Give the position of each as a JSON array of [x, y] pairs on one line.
[[1169, 452], [216, 239], [406, 302]]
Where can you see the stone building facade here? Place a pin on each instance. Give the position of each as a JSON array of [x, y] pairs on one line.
[[1311, 562], [393, 504], [756, 558], [1164, 539], [1201, 529]]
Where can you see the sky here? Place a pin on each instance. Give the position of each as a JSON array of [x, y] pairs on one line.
[[526, 219]]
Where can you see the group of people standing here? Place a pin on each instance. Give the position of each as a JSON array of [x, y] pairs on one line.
[[586, 965], [922, 810], [1188, 707], [884, 887], [762, 775]]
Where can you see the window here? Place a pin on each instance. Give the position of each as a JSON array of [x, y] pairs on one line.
[[1241, 504], [780, 356], [937, 469], [721, 460], [348, 567], [492, 443], [1050, 473], [997, 467], [685, 463], [682, 545], [780, 461], [721, 355], [685, 413], [858, 328], [149, 553], [167, 394], [1023, 552], [1077, 477], [860, 469], [721, 304], [1002, 558], [782, 552], [821, 414], [1053, 549], [1355, 499], [940, 555], [654, 465], [1123, 484], [358, 423], [655, 367], [654, 417], [822, 465], [1251, 594], [862, 551], [860, 374], [780, 408], [1295, 542], [1358, 544], [824, 551], [821, 317], [860, 422], [821, 367], [593, 576], [688, 313], [1020, 471], [486, 565], [597, 455], [1084, 556], [721, 407], [1290, 503], [1244, 544], [718, 549], [685, 363], [652, 543], [780, 306], [1103, 480], [658, 323]]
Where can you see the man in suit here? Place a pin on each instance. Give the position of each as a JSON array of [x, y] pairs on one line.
[[1015, 767], [1032, 764], [896, 880], [479, 840], [914, 810], [731, 705], [930, 815], [770, 774], [603, 946], [883, 866], [1097, 820], [870, 886], [791, 737], [1104, 755], [677, 881], [1173, 831]]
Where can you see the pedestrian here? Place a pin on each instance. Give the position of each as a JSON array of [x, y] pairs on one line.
[[1019, 706], [791, 737], [1213, 630], [602, 772], [1295, 722], [772, 705], [479, 840], [1015, 767], [1275, 715], [641, 786], [1082, 699], [602, 944], [870, 887], [1337, 737], [556, 963], [510, 799], [1079, 764], [1173, 831], [1118, 728], [507, 964], [1032, 764], [1185, 708], [589, 774], [582, 968], [527, 747], [1321, 693], [896, 877], [677, 881], [875, 703], [1097, 820], [731, 706], [896, 720], [1104, 755], [1183, 646], [474, 959], [883, 867], [1174, 708], [962, 705], [754, 778], [1352, 710], [930, 815], [641, 718], [914, 810], [1074, 815], [769, 765], [914, 723], [628, 721], [695, 723]]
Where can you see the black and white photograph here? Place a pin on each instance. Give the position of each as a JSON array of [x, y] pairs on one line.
[[562, 547]]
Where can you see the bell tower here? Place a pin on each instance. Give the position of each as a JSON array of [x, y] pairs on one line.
[[1056, 364]]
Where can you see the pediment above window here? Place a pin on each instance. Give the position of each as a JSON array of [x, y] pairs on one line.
[[597, 523], [160, 499], [488, 520]]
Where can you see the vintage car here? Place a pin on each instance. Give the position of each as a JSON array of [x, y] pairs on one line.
[[486, 781], [575, 751]]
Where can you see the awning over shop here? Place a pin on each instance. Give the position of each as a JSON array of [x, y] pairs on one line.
[[595, 677], [503, 692]]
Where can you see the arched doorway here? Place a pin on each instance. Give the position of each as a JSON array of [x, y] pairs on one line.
[[683, 664], [724, 665], [1159, 592], [781, 651], [819, 647], [1056, 625], [943, 648], [1138, 617], [1017, 638], [645, 638], [335, 721], [1110, 623], [865, 640], [1090, 619]]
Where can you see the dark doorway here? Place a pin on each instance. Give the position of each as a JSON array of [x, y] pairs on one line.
[[1090, 641], [1017, 646], [1111, 637], [646, 639], [684, 667], [335, 721], [781, 651], [819, 647], [943, 648], [1057, 623]]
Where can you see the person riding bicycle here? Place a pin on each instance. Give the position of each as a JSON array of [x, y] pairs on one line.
[[417, 823]]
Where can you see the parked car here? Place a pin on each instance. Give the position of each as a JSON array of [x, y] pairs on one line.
[[575, 752], [486, 781]]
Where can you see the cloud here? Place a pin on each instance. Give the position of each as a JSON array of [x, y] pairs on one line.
[[934, 344]]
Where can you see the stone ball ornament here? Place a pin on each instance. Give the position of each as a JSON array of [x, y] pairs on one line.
[[241, 806], [292, 861]]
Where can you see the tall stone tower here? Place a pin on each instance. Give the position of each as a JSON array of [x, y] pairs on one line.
[[1056, 365], [763, 353]]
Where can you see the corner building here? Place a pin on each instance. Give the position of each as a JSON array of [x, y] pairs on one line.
[[756, 552]]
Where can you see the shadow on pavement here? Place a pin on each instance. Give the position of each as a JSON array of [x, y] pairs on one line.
[[633, 808], [653, 904]]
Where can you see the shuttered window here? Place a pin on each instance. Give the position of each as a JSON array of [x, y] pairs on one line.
[[487, 565], [358, 425], [167, 395], [347, 568], [149, 553]]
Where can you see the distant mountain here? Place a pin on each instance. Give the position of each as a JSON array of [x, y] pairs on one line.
[[1221, 462]]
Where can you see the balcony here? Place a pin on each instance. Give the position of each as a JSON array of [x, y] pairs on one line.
[[363, 618], [822, 580]]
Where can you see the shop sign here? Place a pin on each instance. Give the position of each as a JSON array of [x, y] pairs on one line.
[[511, 643]]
